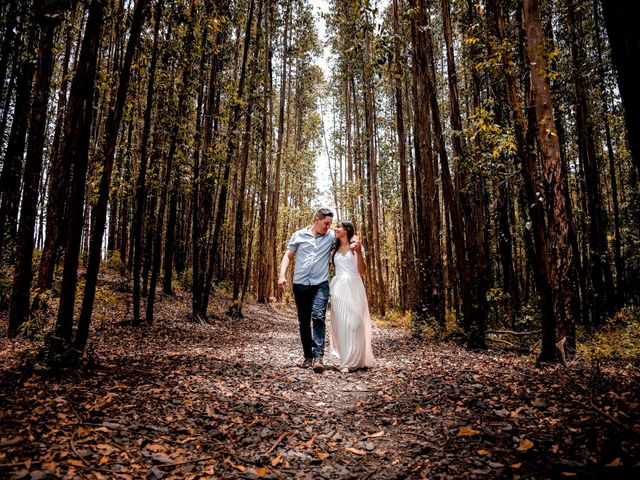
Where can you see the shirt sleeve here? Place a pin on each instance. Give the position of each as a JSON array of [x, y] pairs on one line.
[[293, 243]]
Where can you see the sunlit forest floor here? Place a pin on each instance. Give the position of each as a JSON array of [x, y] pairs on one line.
[[226, 399]]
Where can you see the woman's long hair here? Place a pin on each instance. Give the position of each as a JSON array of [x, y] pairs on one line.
[[351, 231]]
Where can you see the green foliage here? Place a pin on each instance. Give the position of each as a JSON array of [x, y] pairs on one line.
[[6, 282], [55, 358], [40, 321], [115, 263], [185, 280], [106, 297], [619, 339], [530, 317], [396, 318]]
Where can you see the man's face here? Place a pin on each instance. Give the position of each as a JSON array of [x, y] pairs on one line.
[[323, 224]]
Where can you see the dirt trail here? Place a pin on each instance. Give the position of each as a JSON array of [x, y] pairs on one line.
[[227, 400]]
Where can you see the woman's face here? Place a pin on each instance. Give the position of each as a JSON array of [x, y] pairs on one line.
[[340, 231]]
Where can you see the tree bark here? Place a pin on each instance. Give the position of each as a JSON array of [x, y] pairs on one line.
[[407, 284], [427, 204], [10, 178], [621, 19], [274, 204], [235, 310], [58, 184], [75, 151], [140, 191], [176, 138], [558, 338], [617, 242], [468, 243], [263, 277], [99, 210], [600, 272], [19, 310], [169, 244]]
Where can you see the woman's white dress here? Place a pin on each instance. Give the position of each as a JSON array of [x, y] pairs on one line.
[[350, 326]]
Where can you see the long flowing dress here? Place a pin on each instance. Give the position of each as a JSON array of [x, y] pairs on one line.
[[350, 326]]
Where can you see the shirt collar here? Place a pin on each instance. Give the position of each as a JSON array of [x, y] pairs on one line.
[[308, 232]]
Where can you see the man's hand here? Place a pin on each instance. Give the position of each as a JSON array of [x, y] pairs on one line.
[[282, 281]]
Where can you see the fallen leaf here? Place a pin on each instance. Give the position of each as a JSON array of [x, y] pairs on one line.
[[614, 463], [525, 445], [261, 471], [375, 435], [539, 402], [355, 450], [309, 442], [569, 474], [11, 441], [237, 467], [466, 432], [516, 465], [162, 458], [103, 460], [156, 448], [483, 452], [276, 460]]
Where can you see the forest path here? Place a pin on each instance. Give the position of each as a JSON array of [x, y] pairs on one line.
[[227, 400]]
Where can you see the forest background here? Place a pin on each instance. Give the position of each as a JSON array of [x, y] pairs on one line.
[[486, 151]]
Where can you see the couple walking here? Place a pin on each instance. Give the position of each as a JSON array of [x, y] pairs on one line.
[[314, 248]]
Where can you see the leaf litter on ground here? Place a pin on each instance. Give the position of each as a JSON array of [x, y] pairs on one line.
[[227, 399]]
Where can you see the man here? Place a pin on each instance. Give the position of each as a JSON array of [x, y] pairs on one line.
[[312, 248]]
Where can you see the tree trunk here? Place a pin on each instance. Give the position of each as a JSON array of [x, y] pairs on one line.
[[8, 46], [204, 192], [140, 195], [234, 116], [373, 211], [468, 241], [274, 207], [12, 165], [427, 204], [169, 244], [600, 272], [99, 210], [407, 284], [24, 249], [617, 241], [235, 310], [621, 19], [534, 232], [176, 138], [263, 277], [58, 184], [558, 331], [75, 151]]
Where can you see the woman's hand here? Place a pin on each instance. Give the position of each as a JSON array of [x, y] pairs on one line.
[[355, 245]]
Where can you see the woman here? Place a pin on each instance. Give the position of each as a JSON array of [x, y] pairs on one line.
[[350, 321]]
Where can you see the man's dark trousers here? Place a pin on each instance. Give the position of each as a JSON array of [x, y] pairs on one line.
[[311, 301]]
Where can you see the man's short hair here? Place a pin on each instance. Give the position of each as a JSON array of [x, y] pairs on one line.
[[323, 212]]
